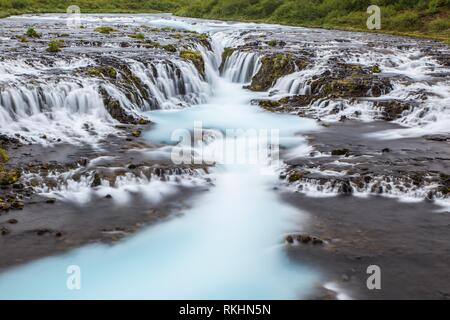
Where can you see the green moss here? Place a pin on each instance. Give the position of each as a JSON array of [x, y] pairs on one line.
[[139, 36], [23, 39], [136, 133], [105, 29], [143, 121], [169, 47], [272, 43], [4, 156], [227, 52], [112, 73], [54, 46], [272, 68], [169, 29], [295, 176], [8, 177], [102, 72], [269, 104], [95, 72], [376, 69], [196, 58], [32, 33]]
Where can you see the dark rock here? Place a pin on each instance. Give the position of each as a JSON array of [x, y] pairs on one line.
[[4, 231], [274, 67], [289, 239], [340, 152]]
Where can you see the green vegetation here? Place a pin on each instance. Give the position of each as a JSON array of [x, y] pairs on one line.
[[32, 33], [426, 18], [4, 156], [196, 58], [7, 177], [102, 72], [139, 36], [54, 46], [105, 29]]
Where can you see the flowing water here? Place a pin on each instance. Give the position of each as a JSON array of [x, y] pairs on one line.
[[228, 246], [229, 243]]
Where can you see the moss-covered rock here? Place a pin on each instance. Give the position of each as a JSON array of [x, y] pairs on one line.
[[227, 52], [392, 109], [196, 58], [105, 29], [4, 156], [32, 33], [274, 67], [344, 80], [269, 104], [169, 47], [102, 72], [8, 177], [136, 133], [54, 46], [138, 36]]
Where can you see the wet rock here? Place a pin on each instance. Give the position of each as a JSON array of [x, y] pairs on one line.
[[12, 221], [136, 133], [289, 239], [304, 238], [340, 152], [349, 81], [227, 52], [345, 188], [392, 109], [273, 67], [41, 232], [196, 58], [17, 204], [4, 231]]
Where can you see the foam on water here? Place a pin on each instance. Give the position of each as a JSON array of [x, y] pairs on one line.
[[228, 246]]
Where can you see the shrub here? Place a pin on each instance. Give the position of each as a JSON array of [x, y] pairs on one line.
[[54, 46], [439, 25], [406, 21], [32, 33]]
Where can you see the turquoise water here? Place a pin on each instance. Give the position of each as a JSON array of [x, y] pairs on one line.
[[228, 245]]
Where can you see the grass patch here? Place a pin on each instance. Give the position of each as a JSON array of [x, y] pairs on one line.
[[105, 29], [54, 46]]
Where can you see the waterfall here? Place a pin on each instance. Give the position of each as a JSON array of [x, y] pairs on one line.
[[73, 109], [64, 111], [294, 84], [241, 66]]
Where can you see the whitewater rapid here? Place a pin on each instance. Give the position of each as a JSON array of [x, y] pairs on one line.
[[229, 245]]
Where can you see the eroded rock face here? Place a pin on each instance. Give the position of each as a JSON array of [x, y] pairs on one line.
[[273, 67]]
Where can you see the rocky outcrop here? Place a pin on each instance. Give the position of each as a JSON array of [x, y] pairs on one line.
[[392, 109], [273, 67], [344, 80]]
